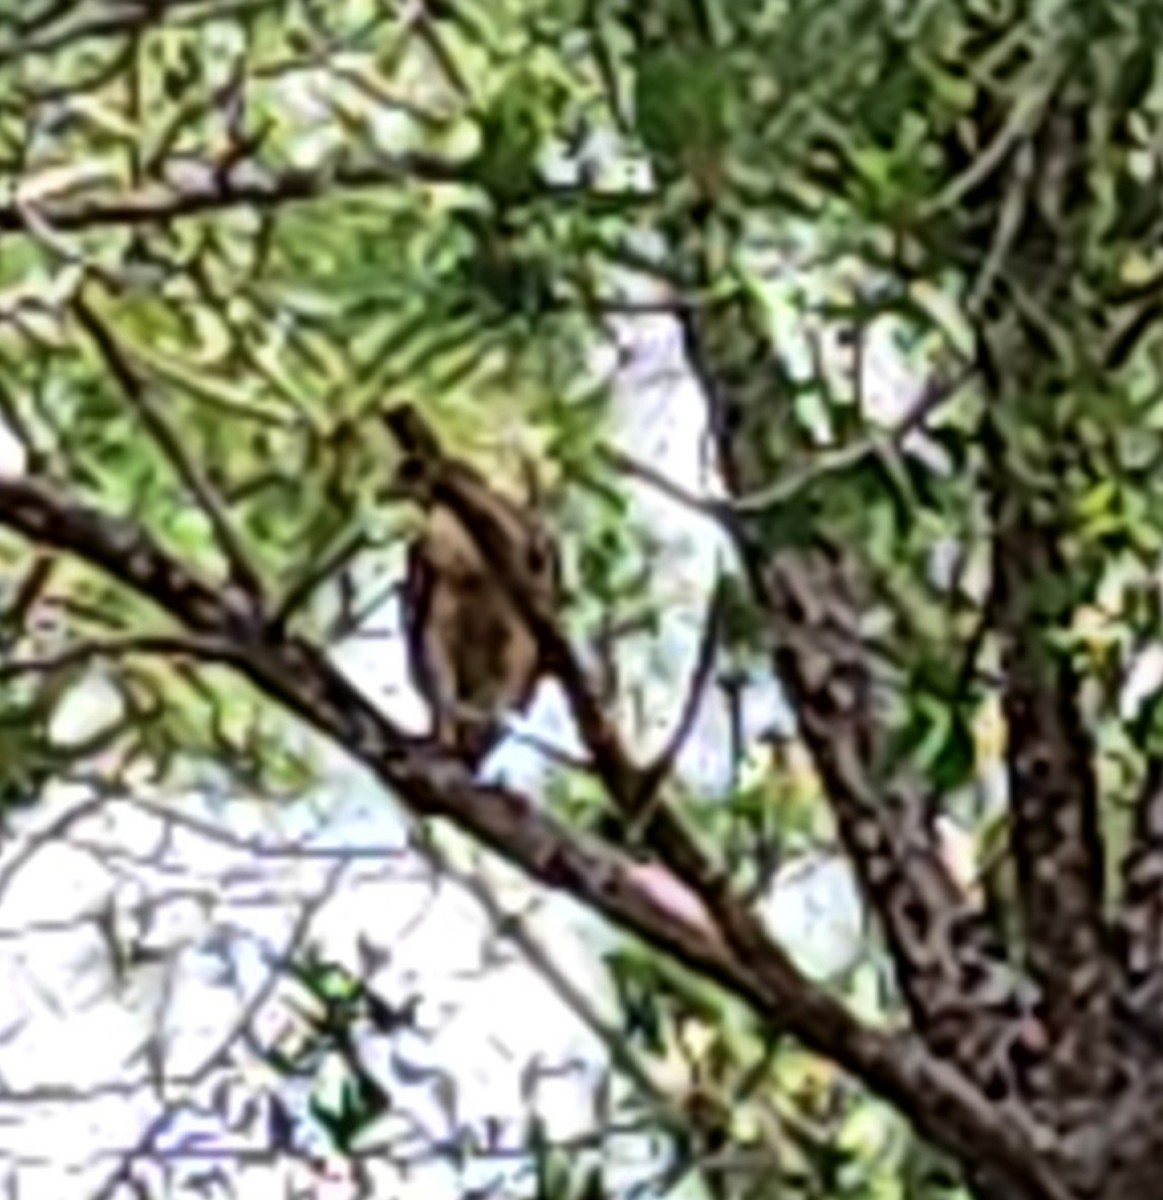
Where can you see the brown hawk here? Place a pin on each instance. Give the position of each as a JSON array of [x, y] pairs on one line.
[[470, 650]]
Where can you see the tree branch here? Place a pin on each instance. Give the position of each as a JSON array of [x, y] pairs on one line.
[[202, 649], [794, 483], [327, 565], [206, 189], [949, 966], [1055, 832], [136, 392], [120, 20], [654, 775], [296, 675], [514, 927], [626, 783], [1139, 922]]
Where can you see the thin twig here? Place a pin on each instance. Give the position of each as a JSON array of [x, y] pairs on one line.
[[26, 593], [121, 21], [655, 774], [726, 512], [250, 185], [1022, 121], [935, 395], [716, 510], [204, 648], [50, 835], [254, 847], [242, 572], [303, 588]]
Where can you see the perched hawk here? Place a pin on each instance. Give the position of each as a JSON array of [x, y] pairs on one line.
[[471, 653]]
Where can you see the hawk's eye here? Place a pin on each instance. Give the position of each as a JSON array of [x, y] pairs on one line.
[[539, 558], [410, 471]]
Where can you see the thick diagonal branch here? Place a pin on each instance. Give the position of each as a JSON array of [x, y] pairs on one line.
[[297, 676]]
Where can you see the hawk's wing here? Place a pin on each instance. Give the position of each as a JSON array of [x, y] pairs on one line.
[[470, 653], [415, 607]]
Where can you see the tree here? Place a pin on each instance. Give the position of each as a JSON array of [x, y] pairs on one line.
[[236, 227]]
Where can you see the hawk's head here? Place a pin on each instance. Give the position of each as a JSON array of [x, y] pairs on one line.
[[420, 450]]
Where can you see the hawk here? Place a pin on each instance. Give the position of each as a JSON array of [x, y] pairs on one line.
[[471, 653]]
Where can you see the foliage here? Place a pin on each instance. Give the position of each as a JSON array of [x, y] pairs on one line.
[[909, 253]]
